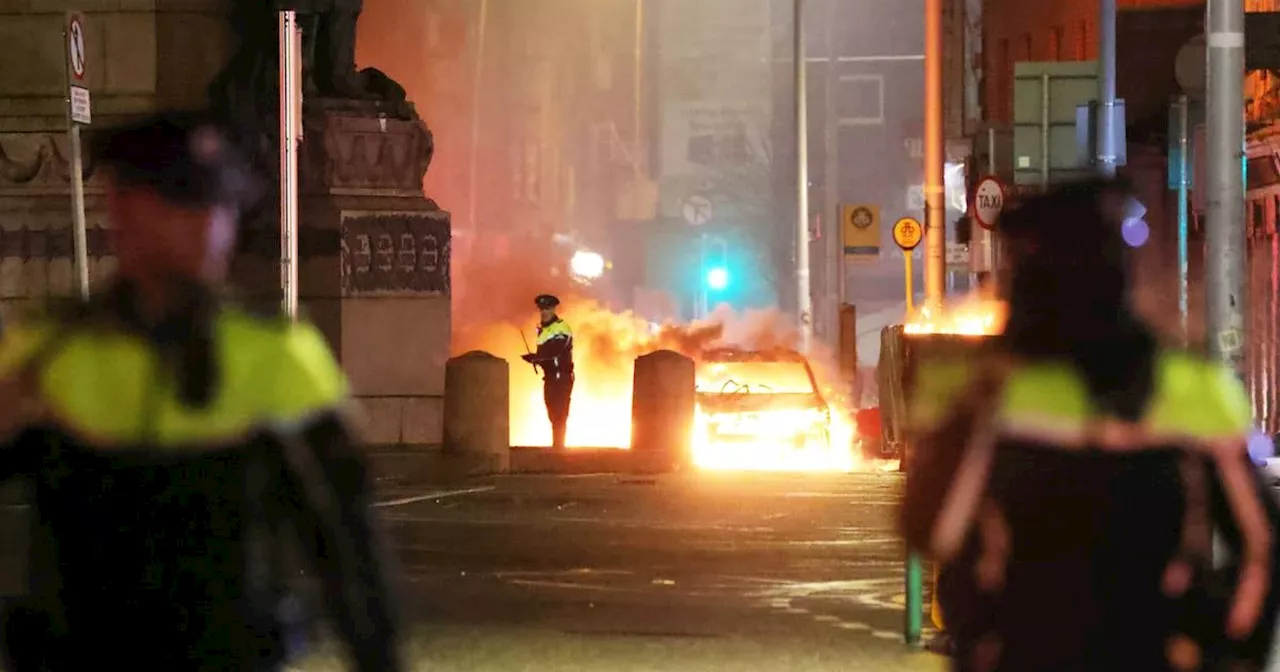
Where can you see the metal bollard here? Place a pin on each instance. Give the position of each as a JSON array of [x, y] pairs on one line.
[[913, 622]]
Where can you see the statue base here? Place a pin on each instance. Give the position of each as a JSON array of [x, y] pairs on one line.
[[373, 269]]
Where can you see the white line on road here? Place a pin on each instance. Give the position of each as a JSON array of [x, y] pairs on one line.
[[440, 494]]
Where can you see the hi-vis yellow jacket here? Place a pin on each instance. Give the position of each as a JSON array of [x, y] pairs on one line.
[[555, 350], [169, 465], [1075, 541]]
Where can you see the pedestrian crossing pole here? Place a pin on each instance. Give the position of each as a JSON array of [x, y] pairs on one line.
[[935, 252]]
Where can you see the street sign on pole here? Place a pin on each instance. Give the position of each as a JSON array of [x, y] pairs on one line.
[[908, 233], [988, 202], [79, 112], [860, 232]]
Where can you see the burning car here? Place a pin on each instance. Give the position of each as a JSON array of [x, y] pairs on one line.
[[763, 411]]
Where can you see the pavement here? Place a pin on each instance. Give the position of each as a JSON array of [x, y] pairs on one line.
[[692, 571]]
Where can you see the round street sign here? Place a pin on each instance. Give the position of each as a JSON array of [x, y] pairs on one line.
[[907, 233], [697, 210], [862, 218], [988, 202], [75, 45]]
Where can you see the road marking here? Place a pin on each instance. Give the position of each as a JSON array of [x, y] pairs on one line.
[[572, 586], [441, 494]]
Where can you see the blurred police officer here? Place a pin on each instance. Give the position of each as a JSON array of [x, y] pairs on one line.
[[1071, 481], [555, 358], [173, 439]]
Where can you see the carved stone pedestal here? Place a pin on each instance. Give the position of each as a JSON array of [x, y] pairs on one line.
[[374, 262]]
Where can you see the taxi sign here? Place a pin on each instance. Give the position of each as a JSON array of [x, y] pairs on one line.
[[988, 202], [907, 233]]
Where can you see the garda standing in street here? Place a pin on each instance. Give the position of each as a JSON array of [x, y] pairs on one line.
[[173, 441], [555, 358], [1072, 480]]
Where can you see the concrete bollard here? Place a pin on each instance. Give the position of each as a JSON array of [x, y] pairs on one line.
[[477, 410], [662, 407]]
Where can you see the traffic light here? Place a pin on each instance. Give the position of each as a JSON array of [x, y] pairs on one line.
[[717, 278]]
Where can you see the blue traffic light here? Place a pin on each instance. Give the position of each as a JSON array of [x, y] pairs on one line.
[[717, 278]]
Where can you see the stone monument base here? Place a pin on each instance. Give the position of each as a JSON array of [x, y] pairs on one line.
[[373, 268]]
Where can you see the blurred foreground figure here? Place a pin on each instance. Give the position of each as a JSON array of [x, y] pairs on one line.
[[1071, 482], [555, 357], [173, 441]]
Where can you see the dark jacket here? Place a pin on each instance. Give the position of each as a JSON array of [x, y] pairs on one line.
[[1073, 541], [170, 468]]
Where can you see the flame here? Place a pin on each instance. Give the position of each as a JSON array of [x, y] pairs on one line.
[[606, 345], [772, 436], [976, 315]]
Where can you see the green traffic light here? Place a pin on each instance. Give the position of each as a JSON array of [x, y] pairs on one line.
[[717, 278]]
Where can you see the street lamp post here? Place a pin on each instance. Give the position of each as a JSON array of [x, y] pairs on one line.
[[1107, 154], [935, 219], [290, 135], [804, 297], [1224, 221]]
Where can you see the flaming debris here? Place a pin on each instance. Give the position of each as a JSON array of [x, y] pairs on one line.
[[974, 316], [773, 412]]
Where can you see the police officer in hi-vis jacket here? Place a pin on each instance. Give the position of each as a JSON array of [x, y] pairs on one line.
[[177, 445], [555, 357]]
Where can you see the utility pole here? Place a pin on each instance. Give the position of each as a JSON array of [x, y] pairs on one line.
[[477, 92], [1183, 107], [935, 222], [804, 297], [638, 91], [1107, 154], [834, 247], [1224, 223], [290, 135]]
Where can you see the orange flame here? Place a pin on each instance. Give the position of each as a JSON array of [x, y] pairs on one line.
[[976, 315], [606, 345]]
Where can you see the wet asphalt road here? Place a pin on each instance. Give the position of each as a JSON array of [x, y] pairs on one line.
[[679, 572]]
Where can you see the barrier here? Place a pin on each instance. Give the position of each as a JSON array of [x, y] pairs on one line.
[[477, 410], [662, 408], [900, 353]]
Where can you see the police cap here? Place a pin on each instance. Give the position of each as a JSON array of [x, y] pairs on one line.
[[546, 301], [189, 159]]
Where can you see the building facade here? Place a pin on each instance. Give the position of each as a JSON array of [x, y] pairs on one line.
[[1150, 34]]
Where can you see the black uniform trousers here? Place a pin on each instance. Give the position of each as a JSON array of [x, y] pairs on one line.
[[557, 390]]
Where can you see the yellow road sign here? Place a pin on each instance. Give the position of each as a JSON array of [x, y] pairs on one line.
[[907, 233], [860, 232]]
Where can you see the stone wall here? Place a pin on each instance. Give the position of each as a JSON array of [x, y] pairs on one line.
[[374, 252], [142, 55]]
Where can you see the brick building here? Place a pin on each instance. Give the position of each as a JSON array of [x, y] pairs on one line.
[[1149, 35]]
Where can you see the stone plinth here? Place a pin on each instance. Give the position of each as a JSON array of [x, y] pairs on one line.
[[374, 262], [662, 406], [477, 418]]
